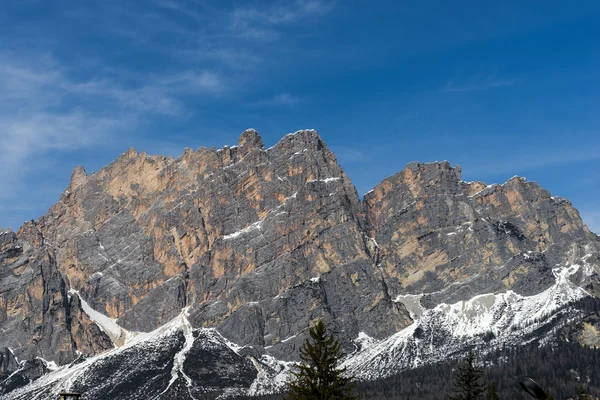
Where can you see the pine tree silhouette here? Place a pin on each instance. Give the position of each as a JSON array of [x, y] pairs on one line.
[[492, 393], [467, 385], [318, 377]]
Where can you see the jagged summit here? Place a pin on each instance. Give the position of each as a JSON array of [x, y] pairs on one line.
[[248, 141], [255, 244], [78, 177]]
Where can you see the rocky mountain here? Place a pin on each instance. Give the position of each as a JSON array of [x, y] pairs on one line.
[[198, 277]]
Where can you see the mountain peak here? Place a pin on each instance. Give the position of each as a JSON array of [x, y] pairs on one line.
[[78, 177], [257, 244], [249, 139]]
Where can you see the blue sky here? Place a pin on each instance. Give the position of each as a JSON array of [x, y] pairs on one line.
[[500, 88]]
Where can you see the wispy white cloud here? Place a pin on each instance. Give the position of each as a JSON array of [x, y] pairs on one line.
[[523, 160], [44, 110], [20, 84], [51, 110], [143, 98], [160, 95], [47, 115], [476, 85], [279, 100], [28, 135], [262, 23], [285, 99], [279, 14], [37, 85], [225, 55], [204, 80], [349, 155], [184, 9], [34, 116]]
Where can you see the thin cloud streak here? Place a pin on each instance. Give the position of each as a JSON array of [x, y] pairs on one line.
[[534, 159], [279, 15], [44, 110], [41, 87], [452, 87], [262, 23], [350, 155], [279, 100], [31, 135]]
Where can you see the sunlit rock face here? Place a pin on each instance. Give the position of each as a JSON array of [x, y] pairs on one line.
[[255, 244], [452, 239]]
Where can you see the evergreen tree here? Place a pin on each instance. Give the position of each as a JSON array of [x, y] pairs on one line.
[[467, 385], [583, 395], [492, 393], [318, 377]]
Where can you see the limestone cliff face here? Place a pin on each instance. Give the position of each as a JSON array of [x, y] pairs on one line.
[[37, 316], [257, 242], [455, 239], [260, 242]]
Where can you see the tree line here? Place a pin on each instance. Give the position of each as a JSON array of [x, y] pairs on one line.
[[563, 370]]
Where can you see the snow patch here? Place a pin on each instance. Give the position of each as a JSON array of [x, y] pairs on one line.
[[105, 323], [233, 346], [272, 375], [507, 316], [486, 190], [50, 365], [374, 241], [252, 227], [287, 339], [298, 153], [326, 180], [179, 358], [365, 341], [301, 131], [412, 302]]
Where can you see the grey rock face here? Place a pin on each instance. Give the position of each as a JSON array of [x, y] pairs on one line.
[[8, 362], [233, 234], [259, 243], [25, 373], [453, 239], [36, 314]]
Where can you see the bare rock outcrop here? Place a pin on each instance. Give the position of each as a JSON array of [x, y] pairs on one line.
[[258, 243]]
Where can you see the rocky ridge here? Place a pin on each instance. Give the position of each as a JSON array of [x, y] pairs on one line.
[[256, 243]]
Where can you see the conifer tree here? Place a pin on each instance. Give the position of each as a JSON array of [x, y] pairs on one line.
[[492, 393], [583, 395], [318, 377], [467, 384]]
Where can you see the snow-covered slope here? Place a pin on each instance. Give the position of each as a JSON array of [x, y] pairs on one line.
[[438, 333], [117, 334], [179, 361], [174, 361]]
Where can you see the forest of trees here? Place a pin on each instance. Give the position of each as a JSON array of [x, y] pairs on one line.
[[564, 369], [561, 370]]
